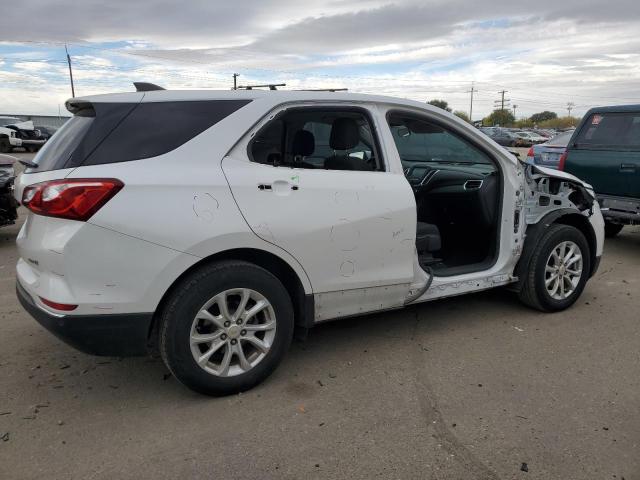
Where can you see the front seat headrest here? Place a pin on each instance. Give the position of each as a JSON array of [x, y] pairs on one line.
[[304, 143], [345, 134]]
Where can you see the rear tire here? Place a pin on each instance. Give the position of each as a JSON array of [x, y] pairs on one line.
[[5, 146], [612, 229], [210, 302], [561, 252]]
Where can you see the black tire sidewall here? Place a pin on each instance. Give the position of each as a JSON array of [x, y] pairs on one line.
[[559, 234], [198, 288]]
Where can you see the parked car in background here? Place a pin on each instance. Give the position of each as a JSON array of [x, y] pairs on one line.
[[501, 136], [528, 139], [8, 204], [548, 154], [605, 151], [46, 132], [30, 137]]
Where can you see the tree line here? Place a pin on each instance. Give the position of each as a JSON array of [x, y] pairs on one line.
[[505, 118]]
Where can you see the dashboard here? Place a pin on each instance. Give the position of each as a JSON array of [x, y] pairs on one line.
[[454, 192]]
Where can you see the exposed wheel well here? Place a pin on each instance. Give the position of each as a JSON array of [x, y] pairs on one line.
[[302, 304]]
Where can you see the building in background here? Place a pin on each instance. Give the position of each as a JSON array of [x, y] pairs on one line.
[[53, 121]]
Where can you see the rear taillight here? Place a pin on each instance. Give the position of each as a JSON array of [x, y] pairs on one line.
[[561, 162], [74, 199], [530, 155]]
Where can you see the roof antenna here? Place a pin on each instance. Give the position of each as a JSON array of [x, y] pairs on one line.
[[146, 87]]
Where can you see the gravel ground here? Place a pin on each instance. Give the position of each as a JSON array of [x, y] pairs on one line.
[[475, 387]]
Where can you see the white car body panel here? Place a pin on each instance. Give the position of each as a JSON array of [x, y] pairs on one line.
[[349, 236]]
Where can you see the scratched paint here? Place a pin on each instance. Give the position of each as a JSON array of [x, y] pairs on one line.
[[205, 207]]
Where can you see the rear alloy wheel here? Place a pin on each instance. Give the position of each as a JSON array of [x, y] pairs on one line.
[[233, 332], [558, 271], [226, 327], [612, 229]]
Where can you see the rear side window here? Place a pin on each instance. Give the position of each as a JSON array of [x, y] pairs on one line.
[[153, 129], [610, 131], [120, 132]]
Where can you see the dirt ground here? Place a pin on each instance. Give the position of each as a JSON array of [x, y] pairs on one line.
[[468, 388]]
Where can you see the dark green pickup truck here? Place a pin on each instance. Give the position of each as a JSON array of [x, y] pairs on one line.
[[605, 152]]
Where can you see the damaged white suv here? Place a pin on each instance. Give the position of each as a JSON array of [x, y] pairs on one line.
[[212, 223]]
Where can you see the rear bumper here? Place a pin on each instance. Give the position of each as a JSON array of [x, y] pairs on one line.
[[119, 335], [620, 209]]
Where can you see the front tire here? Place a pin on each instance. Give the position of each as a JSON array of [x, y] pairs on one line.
[[558, 271], [226, 327], [612, 229]]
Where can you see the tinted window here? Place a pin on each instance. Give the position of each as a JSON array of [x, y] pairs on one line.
[[318, 138], [118, 132], [153, 129], [561, 140], [418, 140], [58, 150], [611, 130]]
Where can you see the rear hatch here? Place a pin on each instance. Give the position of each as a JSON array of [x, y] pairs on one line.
[[605, 152]]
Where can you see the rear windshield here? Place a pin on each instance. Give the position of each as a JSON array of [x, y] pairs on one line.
[[561, 140], [121, 132], [57, 151], [610, 131]]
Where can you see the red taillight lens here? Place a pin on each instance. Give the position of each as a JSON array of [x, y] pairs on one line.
[[561, 162], [530, 153], [65, 307], [74, 199]]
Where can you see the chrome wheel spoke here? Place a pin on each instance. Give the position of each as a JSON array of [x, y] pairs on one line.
[[244, 363], [223, 369], [204, 314], [551, 278], [245, 296], [260, 327], [259, 344], [253, 311], [198, 338], [204, 358], [221, 301]]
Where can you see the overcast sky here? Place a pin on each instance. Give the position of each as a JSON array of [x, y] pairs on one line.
[[545, 53]]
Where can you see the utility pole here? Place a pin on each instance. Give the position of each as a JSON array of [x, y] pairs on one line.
[[471, 104], [73, 91], [514, 106], [235, 80], [570, 106], [503, 100]]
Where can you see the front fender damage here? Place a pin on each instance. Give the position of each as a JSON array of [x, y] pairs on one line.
[[548, 190]]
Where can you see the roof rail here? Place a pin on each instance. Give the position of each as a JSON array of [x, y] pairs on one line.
[[271, 86], [146, 87], [323, 90]]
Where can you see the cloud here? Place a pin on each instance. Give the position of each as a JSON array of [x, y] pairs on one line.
[[545, 54]]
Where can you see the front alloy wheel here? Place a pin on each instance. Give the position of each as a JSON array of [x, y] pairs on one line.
[[558, 270], [564, 270]]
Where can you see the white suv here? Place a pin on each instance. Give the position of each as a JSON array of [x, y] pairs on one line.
[[212, 223]]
